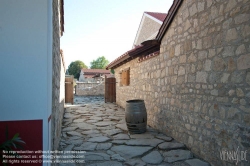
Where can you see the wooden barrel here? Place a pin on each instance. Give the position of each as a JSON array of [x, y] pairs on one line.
[[136, 116]]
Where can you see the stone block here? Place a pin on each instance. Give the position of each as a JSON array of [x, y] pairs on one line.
[[202, 55], [230, 5], [188, 126], [192, 58], [231, 65], [199, 44], [248, 78], [180, 79], [224, 78], [201, 77], [219, 64], [231, 34], [214, 12], [214, 92], [207, 42], [218, 39], [247, 119], [237, 77], [201, 6], [190, 141], [211, 53], [177, 50], [243, 62], [193, 9], [207, 65], [191, 78], [240, 92], [181, 71], [240, 50], [228, 51], [246, 31], [234, 114], [197, 105], [183, 59], [231, 92], [241, 18]]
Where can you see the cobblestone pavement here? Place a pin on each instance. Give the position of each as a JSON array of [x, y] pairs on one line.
[[97, 131]]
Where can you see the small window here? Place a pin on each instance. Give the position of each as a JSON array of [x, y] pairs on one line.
[[124, 77]]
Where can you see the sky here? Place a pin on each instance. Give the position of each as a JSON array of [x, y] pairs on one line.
[[95, 28]]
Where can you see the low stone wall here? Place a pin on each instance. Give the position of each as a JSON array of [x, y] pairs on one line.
[[90, 89]]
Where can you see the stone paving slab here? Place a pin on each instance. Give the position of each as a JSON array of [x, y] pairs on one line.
[[153, 157], [196, 162], [144, 142], [171, 145], [99, 139], [131, 151], [99, 129], [177, 155]]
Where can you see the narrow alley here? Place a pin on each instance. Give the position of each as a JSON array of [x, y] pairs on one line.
[[99, 130]]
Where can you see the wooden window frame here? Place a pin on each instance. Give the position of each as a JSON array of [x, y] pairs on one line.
[[125, 77]]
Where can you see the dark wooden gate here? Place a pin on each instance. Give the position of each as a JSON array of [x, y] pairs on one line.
[[110, 90], [69, 88]]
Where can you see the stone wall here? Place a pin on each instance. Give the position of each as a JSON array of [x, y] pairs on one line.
[[198, 89], [149, 28], [90, 89], [58, 85]]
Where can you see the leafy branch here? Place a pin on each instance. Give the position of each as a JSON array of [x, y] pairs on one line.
[[8, 145]]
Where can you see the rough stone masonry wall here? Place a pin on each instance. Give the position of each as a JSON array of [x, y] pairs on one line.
[[144, 83], [90, 89], [58, 85], [199, 90]]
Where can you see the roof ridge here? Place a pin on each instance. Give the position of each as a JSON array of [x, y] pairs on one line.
[[157, 15], [155, 12]]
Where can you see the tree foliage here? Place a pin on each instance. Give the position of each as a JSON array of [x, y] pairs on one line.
[[99, 63], [75, 68]]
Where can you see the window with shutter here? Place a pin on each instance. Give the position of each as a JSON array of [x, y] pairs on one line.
[[125, 77]]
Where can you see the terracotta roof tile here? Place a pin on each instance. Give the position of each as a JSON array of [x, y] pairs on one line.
[[95, 71], [159, 16], [123, 55]]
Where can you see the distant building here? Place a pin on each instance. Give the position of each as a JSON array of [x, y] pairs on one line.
[[93, 75], [149, 27]]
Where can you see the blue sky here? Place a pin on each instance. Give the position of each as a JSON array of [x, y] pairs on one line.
[[95, 28]]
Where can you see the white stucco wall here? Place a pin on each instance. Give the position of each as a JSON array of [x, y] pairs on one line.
[[25, 61]]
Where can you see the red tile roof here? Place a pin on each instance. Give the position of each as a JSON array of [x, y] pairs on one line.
[[170, 16], [125, 56], [159, 16], [147, 47], [95, 71], [164, 27]]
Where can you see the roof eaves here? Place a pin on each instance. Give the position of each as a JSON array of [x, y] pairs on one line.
[[172, 11], [147, 47], [118, 60]]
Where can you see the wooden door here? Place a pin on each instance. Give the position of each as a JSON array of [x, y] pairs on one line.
[[110, 90], [69, 88]]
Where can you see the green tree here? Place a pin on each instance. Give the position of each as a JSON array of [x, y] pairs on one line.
[[75, 68], [99, 63]]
